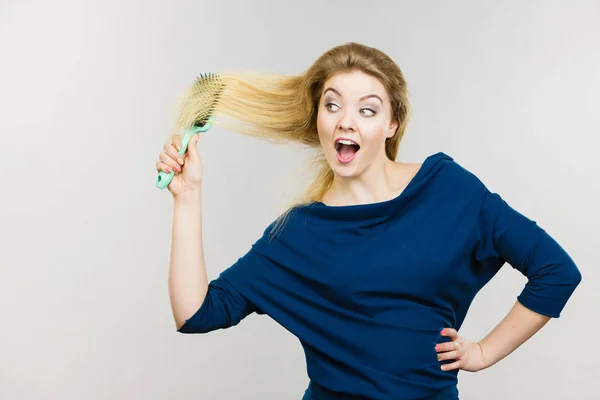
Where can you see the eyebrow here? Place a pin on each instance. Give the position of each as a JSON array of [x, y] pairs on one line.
[[361, 99]]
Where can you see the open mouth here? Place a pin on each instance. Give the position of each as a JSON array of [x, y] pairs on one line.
[[346, 149]]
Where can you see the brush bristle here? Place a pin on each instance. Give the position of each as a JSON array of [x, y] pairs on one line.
[[200, 100]]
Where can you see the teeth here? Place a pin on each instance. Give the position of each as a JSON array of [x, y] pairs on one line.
[[349, 142]]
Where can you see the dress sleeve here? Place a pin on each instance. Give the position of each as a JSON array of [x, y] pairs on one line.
[[505, 235], [224, 306]]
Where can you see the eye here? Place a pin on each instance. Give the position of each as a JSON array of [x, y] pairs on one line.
[[330, 104], [369, 110]]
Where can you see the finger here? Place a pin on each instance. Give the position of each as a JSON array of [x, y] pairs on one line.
[[451, 366], [176, 141], [160, 166], [447, 346], [193, 148], [169, 161], [449, 332], [173, 153], [449, 355]]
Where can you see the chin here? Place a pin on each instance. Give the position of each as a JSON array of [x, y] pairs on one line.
[[344, 173], [344, 170]]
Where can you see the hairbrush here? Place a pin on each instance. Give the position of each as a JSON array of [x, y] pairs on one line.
[[196, 115]]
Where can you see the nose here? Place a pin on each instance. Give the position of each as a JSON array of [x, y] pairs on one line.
[[346, 121]]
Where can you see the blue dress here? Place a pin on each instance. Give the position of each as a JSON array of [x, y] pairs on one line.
[[367, 288]]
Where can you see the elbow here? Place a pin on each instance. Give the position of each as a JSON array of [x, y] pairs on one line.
[[205, 318], [570, 275], [574, 276], [183, 325], [197, 323], [194, 316], [192, 325], [181, 322], [179, 326], [548, 293]]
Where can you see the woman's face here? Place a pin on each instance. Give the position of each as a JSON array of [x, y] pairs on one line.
[[353, 122]]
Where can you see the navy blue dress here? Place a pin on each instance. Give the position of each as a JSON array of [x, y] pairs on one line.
[[367, 288]]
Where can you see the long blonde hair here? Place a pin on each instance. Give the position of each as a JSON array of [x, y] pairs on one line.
[[283, 109]]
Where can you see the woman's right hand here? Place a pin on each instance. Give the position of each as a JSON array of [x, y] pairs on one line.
[[188, 168]]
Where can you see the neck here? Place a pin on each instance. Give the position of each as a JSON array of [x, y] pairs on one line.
[[379, 182]]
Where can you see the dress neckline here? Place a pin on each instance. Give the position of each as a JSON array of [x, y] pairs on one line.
[[380, 208]]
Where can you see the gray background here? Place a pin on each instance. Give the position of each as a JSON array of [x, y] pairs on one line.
[[510, 89]]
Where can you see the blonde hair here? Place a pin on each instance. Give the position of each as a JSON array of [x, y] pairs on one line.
[[283, 109]]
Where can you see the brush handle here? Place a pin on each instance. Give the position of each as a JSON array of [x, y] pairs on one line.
[[163, 179]]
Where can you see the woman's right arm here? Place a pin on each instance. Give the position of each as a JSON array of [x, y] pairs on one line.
[[197, 305], [188, 281]]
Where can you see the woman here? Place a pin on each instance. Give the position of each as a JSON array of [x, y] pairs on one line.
[[375, 272]]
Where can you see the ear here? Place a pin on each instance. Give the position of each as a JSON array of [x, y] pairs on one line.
[[392, 130]]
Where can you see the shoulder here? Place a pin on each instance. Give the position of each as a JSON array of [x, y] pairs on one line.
[[450, 175], [408, 169], [404, 172]]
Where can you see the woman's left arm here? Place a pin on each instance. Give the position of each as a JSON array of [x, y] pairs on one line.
[[552, 276], [516, 328]]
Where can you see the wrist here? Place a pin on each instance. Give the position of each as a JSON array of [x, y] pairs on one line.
[[487, 354], [189, 197]]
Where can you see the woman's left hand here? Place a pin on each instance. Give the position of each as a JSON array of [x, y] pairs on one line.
[[468, 355]]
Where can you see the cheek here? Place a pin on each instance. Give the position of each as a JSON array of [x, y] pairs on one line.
[[373, 140], [324, 126], [319, 121], [372, 135]]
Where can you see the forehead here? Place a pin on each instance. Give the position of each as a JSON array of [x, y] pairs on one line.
[[355, 84]]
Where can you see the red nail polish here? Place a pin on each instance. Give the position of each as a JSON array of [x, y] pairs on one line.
[[437, 347]]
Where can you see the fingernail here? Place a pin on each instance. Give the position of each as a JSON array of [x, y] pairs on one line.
[[443, 367], [442, 331], [180, 160], [437, 347], [439, 357]]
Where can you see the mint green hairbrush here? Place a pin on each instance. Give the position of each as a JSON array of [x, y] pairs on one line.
[[196, 115]]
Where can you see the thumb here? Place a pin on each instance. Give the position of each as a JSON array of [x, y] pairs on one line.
[[193, 148]]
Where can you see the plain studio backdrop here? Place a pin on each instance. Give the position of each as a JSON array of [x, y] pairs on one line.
[[510, 90]]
